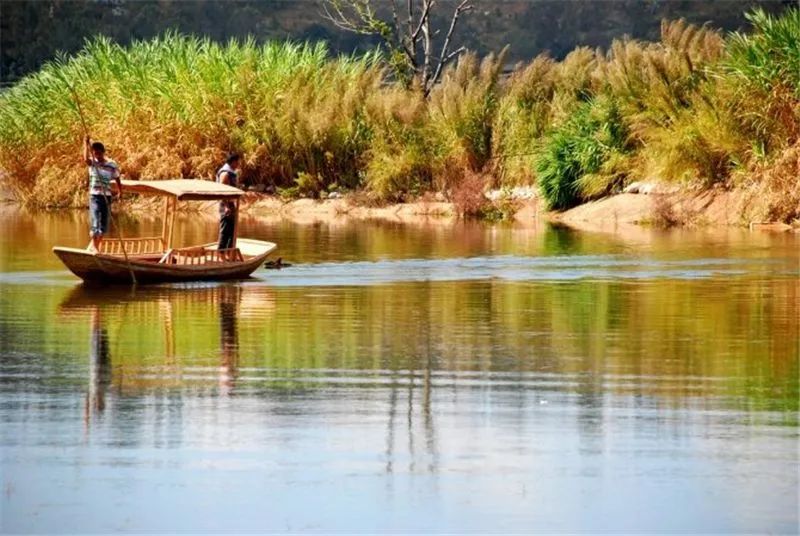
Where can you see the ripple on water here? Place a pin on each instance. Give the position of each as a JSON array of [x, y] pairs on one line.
[[518, 268], [503, 267]]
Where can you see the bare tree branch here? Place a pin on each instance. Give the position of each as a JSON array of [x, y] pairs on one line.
[[426, 11], [410, 4], [427, 47], [444, 57], [396, 22], [338, 18], [411, 48], [453, 54], [358, 16], [362, 19]]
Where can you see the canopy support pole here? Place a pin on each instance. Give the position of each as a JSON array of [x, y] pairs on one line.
[[173, 203], [236, 223], [164, 225]]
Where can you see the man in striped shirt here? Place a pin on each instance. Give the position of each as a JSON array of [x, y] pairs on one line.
[[101, 171]]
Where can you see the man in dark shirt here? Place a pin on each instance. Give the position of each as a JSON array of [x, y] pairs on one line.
[[228, 174]]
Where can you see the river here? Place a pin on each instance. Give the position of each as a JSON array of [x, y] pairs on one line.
[[430, 378]]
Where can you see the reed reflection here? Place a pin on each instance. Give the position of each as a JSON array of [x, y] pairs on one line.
[[418, 377]]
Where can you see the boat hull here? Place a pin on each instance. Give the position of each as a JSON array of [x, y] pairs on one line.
[[104, 268]]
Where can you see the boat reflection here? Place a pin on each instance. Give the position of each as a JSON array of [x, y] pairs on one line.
[[99, 367], [229, 304], [129, 314]]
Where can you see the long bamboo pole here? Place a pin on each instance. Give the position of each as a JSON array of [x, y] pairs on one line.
[[108, 200]]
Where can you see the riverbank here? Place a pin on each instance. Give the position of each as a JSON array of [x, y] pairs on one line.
[[708, 208], [643, 206], [638, 208]]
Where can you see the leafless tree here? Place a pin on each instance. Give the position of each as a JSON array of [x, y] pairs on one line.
[[408, 34]]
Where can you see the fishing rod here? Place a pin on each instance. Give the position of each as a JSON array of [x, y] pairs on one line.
[[97, 171]]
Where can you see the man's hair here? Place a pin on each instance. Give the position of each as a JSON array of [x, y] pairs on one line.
[[232, 157], [97, 146]]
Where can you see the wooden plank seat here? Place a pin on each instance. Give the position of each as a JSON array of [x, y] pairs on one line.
[[133, 246], [200, 255]]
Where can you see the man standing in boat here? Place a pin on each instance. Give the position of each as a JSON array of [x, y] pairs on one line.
[[101, 171], [228, 174]]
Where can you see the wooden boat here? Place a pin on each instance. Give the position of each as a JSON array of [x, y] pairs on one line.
[[153, 259]]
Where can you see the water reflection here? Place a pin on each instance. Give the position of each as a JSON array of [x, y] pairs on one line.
[[99, 367], [420, 458], [132, 310], [229, 301], [682, 342], [396, 403], [28, 238]]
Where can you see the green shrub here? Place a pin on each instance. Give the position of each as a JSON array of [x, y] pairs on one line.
[[770, 54], [581, 148]]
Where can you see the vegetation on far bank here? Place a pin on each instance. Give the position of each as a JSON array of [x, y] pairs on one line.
[[34, 30], [697, 109]]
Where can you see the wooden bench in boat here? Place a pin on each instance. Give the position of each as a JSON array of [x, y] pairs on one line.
[[152, 249], [133, 246], [201, 255]]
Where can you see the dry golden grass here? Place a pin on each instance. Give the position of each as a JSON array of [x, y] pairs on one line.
[[774, 189]]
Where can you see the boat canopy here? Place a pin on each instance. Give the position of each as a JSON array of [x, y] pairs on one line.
[[183, 189]]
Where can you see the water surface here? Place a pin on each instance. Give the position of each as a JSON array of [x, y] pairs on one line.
[[407, 378]]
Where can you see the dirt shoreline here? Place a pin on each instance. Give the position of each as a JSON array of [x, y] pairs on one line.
[[709, 208], [702, 209]]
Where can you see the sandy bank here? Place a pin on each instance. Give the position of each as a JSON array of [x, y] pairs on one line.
[[710, 208], [706, 208], [309, 211], [270, 208]]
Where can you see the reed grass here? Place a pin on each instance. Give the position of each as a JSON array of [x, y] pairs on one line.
[[695, 107], [173, 106]]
